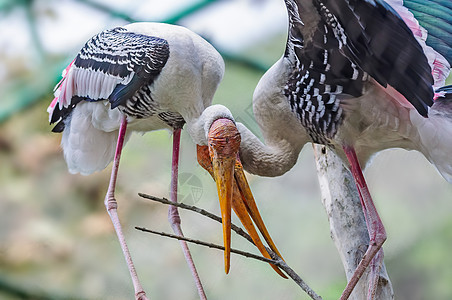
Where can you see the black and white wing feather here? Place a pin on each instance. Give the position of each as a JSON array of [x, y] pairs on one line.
[[116, 65], [335, 45]]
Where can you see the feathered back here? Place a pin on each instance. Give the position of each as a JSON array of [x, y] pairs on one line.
[[111, 68], [113, 65], [334, 45]]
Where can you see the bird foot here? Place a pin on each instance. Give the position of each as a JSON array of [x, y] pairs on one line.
[[374, 274], [368, 259]]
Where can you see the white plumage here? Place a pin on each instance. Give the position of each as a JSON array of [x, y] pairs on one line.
[[381, 118], [141, 77], [353, 78], [144, 77], [89, 142], [185, 87], [435, 137]]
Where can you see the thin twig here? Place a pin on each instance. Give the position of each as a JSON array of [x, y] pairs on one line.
[[198, 210], [276, 259], [210, 245]]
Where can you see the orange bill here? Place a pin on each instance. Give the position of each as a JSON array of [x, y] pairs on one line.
[[220, 159], [241, 211], [250, 204], [224, 187], [223, 174]]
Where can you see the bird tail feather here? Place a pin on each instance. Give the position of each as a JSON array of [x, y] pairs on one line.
[[435, 132], [87, 149]]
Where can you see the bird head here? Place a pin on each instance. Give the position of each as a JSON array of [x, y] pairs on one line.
[[221, 159]]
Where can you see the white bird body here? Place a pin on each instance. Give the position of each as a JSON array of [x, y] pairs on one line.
[[184, 88], [190, 77], [144, 77], [358, 77], [381, 118]]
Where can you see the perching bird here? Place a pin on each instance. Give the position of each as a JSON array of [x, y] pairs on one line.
[[144, 77], [358, 77]]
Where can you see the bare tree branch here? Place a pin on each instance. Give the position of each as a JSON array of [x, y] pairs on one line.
[[347, 223], [276, 259]]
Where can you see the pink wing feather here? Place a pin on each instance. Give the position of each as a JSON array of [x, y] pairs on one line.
[[440, 66], [57, 91]]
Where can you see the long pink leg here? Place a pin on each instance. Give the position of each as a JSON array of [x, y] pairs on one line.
[[377, 233], [173, 214], [112, 205]]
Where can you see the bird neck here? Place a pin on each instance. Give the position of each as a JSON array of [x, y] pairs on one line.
[[284, 136], [272, 159]]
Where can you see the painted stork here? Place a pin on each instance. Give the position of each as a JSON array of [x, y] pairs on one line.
[[144, 77], [358, 77]]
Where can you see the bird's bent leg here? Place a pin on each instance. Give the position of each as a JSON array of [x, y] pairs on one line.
[[377, 233], [111, 205], [173, 214]]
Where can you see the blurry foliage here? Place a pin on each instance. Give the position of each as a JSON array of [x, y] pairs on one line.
[[425, 270]]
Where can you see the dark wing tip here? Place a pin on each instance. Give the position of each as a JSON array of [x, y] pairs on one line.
[[59, 127], [445, 92], [396, 56], [60, 115]]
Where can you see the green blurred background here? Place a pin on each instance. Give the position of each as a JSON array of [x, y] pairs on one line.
[[56, 239]]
